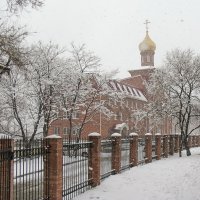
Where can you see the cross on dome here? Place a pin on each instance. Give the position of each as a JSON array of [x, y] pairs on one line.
[[146, 23]]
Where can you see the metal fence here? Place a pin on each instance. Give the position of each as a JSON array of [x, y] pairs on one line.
[[154, 148], [75, 167], [29, 170], [141, 150], [106, 158], [5, 167], [125, 153]]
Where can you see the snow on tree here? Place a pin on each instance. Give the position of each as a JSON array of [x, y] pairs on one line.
[[84, 89], [175, 89], [28, 96], [53, 85]]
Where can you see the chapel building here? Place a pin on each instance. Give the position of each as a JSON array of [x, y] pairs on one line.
[[123, 120]]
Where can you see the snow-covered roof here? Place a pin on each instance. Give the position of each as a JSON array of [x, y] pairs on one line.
[[127, 90]]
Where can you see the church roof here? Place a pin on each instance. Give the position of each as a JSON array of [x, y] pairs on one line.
[[128, 90]]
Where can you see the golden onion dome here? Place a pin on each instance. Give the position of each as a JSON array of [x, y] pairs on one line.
[[147, 44]]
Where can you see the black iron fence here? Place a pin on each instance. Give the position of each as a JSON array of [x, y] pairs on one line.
[[29, 170], [125, 153], [75, 167], [141, 150], [106, 158]]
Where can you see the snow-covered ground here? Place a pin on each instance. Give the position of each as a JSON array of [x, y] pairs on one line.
[[173, 178]]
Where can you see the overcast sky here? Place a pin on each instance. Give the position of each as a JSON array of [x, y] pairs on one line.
[[113, 29]]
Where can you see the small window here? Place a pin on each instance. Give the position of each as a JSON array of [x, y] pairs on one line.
[[56, 130], [65, 131]]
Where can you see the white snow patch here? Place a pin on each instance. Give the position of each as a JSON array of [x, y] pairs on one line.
[[53, 136], [148, 134], [133, 134], [116, 135], [94, 134], [158, 134], [171, 178]]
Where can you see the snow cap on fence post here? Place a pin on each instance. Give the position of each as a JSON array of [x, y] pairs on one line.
[[133, 134], [158, 134], [116, 135], [94, 159], [53, 136], [94, 134]]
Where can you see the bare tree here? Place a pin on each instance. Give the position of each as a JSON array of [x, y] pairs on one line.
[[83, 89], [15, 6], [27, 96], [176, 88]]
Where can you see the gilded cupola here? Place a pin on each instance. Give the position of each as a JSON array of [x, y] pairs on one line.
[[147, 49]]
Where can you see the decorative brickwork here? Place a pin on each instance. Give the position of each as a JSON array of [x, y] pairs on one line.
[[133, 159], [94, 159], [116, 152]]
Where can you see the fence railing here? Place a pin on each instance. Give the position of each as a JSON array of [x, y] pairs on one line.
[[106, 158], [29, 170], [75, 167], [141, 150], [125, 152], [60, 169]]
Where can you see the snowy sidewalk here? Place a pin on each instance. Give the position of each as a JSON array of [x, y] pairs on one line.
[[173, 178]]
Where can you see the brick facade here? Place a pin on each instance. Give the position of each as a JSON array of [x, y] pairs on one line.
[[135, 98]]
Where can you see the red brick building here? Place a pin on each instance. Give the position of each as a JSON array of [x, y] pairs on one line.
[[123, 119]]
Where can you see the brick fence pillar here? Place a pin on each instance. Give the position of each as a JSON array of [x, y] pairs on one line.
[[133, 159], [165, 146], [176, 143], [190, 141], [158, 146], [116, 152], [6, 169], [54, 165], [148, 147], [198, 140], [196, 143], [94, 159], [193, 140], [171, 145]]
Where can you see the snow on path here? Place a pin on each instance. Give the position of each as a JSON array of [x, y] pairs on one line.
[[173, 178]]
